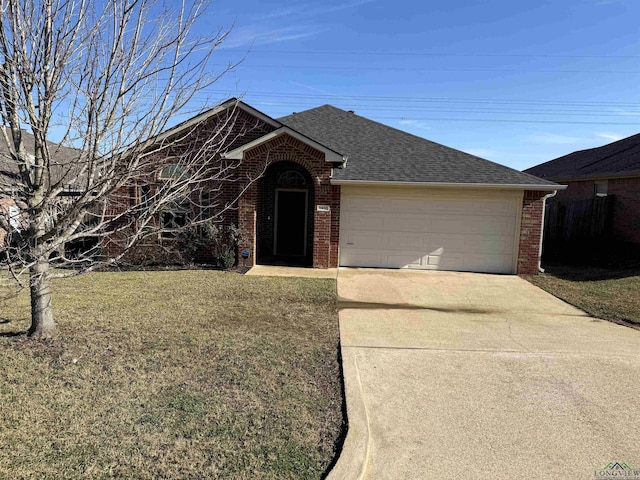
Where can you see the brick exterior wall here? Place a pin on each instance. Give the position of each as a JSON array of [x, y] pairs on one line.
[[574, 191], [226, 131], [626, 212], [324, 228], [530, 232]]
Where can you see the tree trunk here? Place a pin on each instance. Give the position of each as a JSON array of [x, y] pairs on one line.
[[42, 323]]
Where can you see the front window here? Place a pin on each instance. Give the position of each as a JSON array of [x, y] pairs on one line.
[[145, 195], [600, 188], [205, 205], [174, 218]]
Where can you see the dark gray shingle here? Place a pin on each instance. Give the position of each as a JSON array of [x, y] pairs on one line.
[[614, 159], [64, 162], [378, 152]]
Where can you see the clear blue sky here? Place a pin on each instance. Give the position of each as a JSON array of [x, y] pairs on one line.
[[516, 82]]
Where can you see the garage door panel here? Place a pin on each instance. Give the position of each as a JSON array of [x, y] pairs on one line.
[[492, 208], [360, 258], [404, 260], [428, 230], [488, 244], [403, 222], [453, 242], [485, 263], [404, 205], [446, 261], [404, 240], [363, 221], [492, 226], [363, 204], [365, 240], [448, 225], [374, 221]]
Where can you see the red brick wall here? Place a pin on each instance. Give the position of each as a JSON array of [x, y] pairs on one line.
[[530, 232], [575, 191], [626, 214], [325, 224], [222, 132]]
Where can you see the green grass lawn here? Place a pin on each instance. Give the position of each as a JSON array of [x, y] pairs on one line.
[[611, 294], [188, 374]]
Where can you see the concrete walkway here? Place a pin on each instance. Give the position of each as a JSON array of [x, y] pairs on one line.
[[456, 375], [281, 271]]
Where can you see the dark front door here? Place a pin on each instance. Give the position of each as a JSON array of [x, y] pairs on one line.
[[291, 222]]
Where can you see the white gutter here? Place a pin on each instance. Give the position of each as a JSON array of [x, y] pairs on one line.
[[544, 188], [544, 208]]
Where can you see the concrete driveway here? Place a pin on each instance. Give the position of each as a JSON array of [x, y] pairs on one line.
[[459, 375]]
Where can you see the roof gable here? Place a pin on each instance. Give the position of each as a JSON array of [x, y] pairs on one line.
[[620, 158], [379, 153], [233, 104], [329, 155]]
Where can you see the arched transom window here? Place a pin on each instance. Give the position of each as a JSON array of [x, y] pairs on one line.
[[291, 178], [174, 172]]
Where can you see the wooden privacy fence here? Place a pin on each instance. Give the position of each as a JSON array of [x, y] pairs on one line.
[[579, 220]]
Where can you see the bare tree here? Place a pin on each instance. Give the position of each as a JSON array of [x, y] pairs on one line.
[[106, 77]]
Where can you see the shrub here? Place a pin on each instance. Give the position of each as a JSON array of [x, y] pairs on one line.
[[210, 240]]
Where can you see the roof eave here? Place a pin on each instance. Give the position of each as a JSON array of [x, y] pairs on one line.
[[599, 176], [494, 186]]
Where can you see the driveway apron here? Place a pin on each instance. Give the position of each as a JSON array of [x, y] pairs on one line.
[[458, 375]]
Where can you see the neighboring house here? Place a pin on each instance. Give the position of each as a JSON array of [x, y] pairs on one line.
[[9, 210], [62, 170], [340, 189], [613, 169]]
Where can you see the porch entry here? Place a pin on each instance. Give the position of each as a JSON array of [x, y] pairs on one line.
[[290, 233]]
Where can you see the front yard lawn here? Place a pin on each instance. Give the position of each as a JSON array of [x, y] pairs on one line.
[[611, 294], [188, 374]]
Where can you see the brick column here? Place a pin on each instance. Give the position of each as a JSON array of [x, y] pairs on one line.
[[247, 224], [326, 225], [530, 232], [321, 239]]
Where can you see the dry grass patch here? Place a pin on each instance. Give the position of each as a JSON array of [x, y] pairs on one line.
[[191, 374], [611, 294]]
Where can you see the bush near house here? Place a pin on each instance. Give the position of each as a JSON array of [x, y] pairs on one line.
[[208, 244]]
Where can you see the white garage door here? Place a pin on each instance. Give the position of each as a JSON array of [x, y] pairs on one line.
[[432, 230]]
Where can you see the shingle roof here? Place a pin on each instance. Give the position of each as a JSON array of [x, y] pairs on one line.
[[377, 152], [614, 159], [63, 162]]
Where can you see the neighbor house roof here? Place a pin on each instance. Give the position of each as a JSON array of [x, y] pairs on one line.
[[378, 153], [64, 165], [617, 159]]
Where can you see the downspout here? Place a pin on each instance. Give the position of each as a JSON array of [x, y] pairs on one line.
[[544, 208]]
